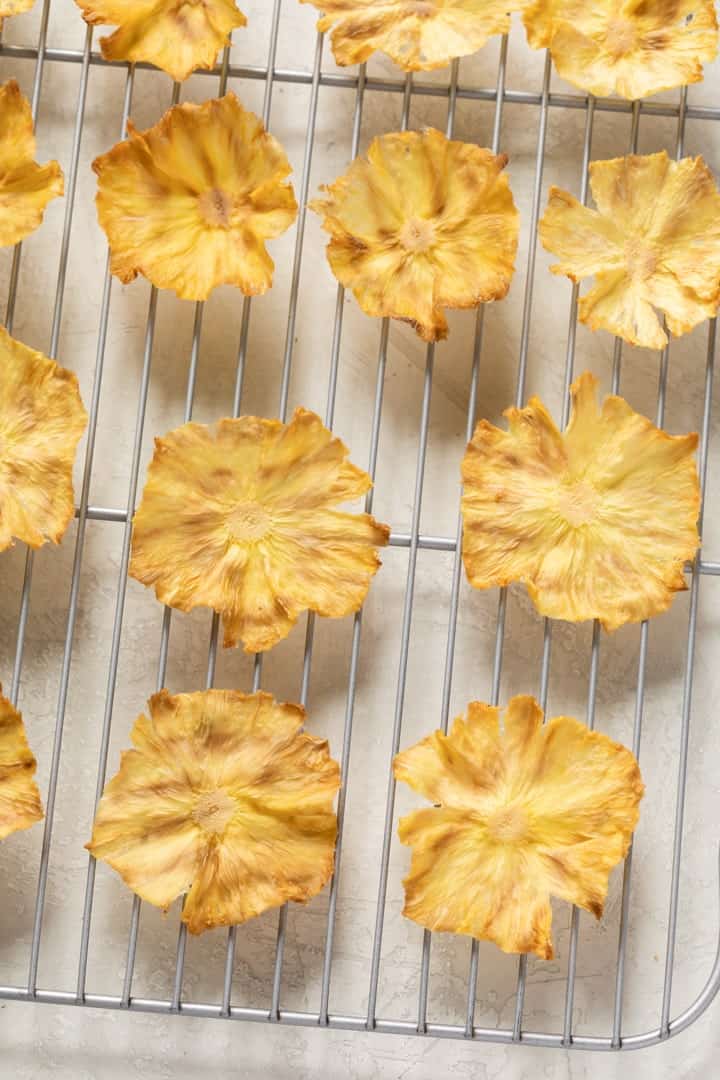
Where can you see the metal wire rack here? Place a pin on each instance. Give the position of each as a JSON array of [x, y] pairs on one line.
[[413, 541]]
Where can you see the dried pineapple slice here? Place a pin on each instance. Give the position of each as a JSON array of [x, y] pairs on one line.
[[240, 518], [176, 36], [420, 224], [418, 35], [223, 796], [8, 8], [653, 242], [190, 202], [520, 815], [25, 187], [597, 522], [20, 805], [41, 421], [625, 47]]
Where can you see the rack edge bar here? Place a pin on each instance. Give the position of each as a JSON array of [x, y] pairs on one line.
[[205, 1010]]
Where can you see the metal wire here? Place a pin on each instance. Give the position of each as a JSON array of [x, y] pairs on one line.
[[457, 563], [299, 77], [502, 604], [167, 614], [39, 57], [413, 541]]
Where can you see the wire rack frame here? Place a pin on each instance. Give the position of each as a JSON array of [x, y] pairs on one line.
[[413, 541]]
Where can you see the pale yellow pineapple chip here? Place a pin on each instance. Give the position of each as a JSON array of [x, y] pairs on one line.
[[597, 522], [225, 798], [628, 47], [41, 421], [190, 202], [418, 35], [240, 518], [652, 243], [521, 814], [25, 187], [20, 805], [177, 36], [421, 224]]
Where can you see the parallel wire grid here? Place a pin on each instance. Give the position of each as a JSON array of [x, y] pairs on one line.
[[413, 541]]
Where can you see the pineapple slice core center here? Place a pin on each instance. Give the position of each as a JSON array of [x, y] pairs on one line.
[[422, 8], [578, 503], [642, 259], [620, 37], [216, 208], [509, 825], [417, 234], [249, 521], [213, 811]]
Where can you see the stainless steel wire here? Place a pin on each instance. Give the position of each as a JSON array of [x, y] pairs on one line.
[[39, 57], [167, 614], [300, 77], [457, 562], [502, 603], [414, 541]]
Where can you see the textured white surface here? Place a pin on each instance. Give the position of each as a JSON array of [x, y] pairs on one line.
[[42, 1041]]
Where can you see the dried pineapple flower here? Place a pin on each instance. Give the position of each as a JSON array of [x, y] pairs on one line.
[[177, 36], [653, 242], [520, 815], [625, 47], [41, 421], [240, 518], [420, 224], [418, 35], [225, 798], [190, 202], [25, 187], [20, 805], [597, 522], [13, 7]]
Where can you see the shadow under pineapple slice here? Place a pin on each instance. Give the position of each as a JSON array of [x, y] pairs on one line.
[[521, 814], [8, 8], [225, 798]]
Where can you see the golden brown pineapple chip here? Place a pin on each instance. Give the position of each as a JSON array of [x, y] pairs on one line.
[[190, 202], [625, 47], [652, 243], [597, 522], [241, 518], [41, 421], [20, 805], [521, 814], [418, 35], [421, 224], [25, 187], [225, 798], [177, 36]]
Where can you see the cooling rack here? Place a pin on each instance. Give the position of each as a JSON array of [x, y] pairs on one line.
[[408, 548]]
